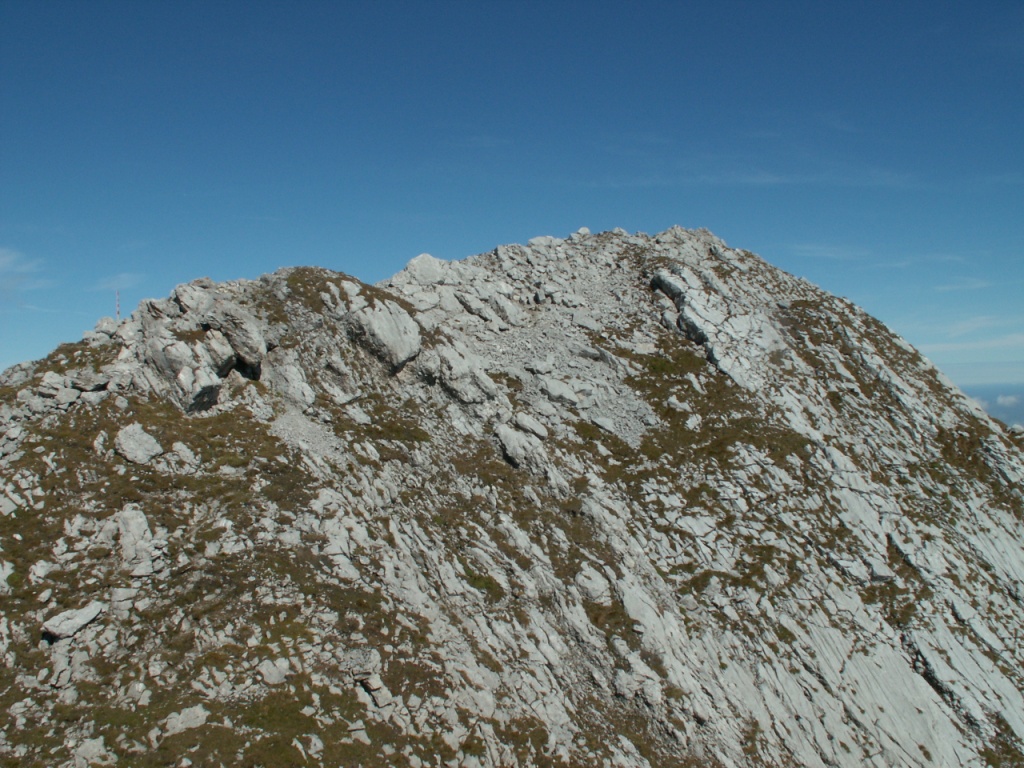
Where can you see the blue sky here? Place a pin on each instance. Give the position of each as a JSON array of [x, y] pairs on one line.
[[875, 148]]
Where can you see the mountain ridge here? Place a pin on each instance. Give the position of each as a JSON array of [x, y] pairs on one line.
[[497, 511]]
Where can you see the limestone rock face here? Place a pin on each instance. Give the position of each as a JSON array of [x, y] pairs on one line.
[[611, 500]]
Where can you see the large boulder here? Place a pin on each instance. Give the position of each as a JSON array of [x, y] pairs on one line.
[[426, 270], [242, 330], [519, 447], [136, 445], [461, 374], [389, 331], [138, 547]]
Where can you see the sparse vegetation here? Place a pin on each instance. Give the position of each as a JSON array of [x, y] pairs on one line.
[[365, 579]]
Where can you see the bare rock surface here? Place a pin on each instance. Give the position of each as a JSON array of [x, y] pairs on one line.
[[69, 623], [137, 445], [389, 331], [612, 499]]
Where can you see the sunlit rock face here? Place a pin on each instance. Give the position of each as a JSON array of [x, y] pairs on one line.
[[611, 500]]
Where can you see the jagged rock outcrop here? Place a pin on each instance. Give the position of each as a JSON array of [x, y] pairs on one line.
[[606, 500]]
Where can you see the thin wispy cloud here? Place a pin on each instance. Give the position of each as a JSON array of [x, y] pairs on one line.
[[132, 246], [16, 263], [62, 311], [119, 282], [830, 252], [485, 141], [652, 145], [869, 258], [1009, 341], [972, 325], [826, 174], [711, 171], [19, 273], [1006, 401], [260, 218], [837, 122], [964, 284], [1009, 179], [906, 262], [980, 372]]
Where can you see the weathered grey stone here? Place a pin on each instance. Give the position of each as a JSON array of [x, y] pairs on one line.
[[71, 622], [51, 384], [170, 356], [518, 446], [138, 547], [89, 380], [121, 600], [290, 382], [507, 310], [242, 330], [107, 326], [273, 673], [527, 423], [66, 396], [558, 391], [425, 269], [92, 752], [186, 719], [362, 663], [194, 297], [594, 586], [6, 570], [461, 375], [219, 352], [389, 331], [136, 445], [584, 320]]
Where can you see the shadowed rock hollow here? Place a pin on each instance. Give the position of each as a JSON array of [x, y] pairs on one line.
[[606, 500]]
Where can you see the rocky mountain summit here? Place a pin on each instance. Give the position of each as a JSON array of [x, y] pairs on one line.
[[609, 500]]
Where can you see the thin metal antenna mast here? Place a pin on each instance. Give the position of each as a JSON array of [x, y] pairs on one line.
[[117, 303]]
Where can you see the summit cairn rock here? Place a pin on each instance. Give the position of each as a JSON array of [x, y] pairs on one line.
[[426, 270]]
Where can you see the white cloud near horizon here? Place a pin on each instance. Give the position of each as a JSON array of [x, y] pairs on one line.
[[485, 141], [985, 373], [830, 252], [869, 258], [19, 273], [119, 282], [668, 164], [829, 175], [1007, 401], [973, 325], [756, 177], [1010, 341], [917, 261], [964, 284]]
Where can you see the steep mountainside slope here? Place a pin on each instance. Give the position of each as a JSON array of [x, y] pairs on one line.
[[609, 500]]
